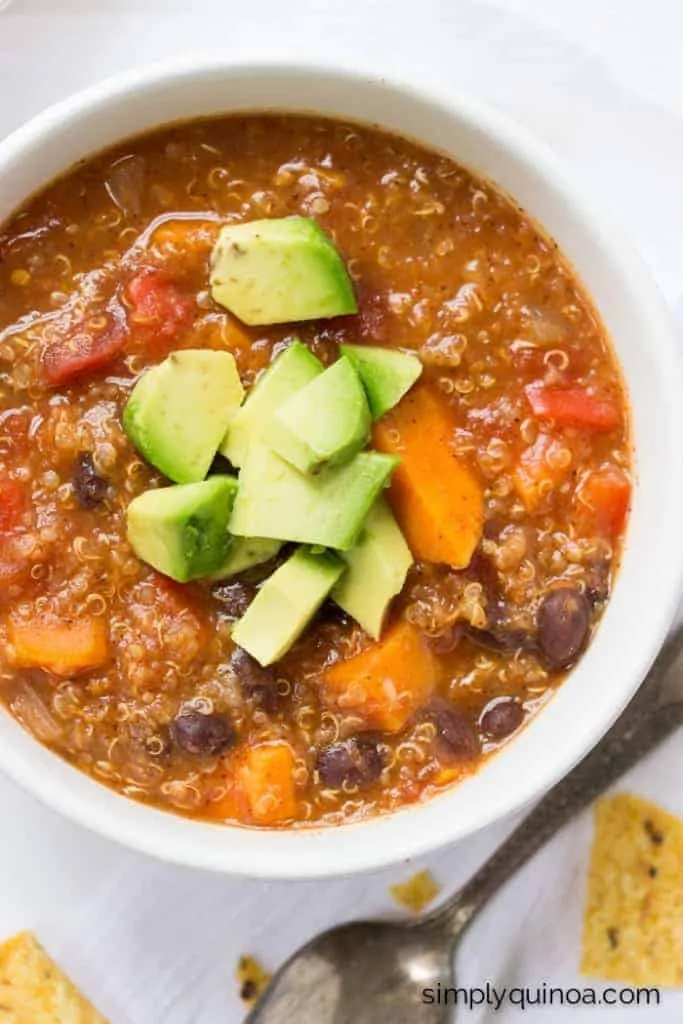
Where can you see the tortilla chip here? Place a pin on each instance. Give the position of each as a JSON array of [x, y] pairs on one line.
[[33, 989], [633, 922], [252, 979], [416, 893]]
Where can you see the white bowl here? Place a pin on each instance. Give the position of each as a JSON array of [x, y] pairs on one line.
[[647, 588]]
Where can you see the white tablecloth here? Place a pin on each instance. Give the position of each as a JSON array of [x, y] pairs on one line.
[[602, 82]]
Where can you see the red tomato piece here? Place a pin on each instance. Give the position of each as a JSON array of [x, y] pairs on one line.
[[603, 501], [86, 348], [573, 407], [159, 305], [13, 504]]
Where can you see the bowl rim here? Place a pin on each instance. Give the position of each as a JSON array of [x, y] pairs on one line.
[[386, 839]]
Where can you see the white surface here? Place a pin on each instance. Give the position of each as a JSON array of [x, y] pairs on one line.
[[603, 83]]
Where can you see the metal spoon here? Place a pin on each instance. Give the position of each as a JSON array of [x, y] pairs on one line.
[[374, 972]]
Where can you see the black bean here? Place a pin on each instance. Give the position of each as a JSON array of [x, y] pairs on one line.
[[257, 683], [234, 598], [563, 623], [493, 528], [200, 734], [501, 639], [482, 570], [501, 718], [330, 612], [456, 736], [356, 761], [90, 488]]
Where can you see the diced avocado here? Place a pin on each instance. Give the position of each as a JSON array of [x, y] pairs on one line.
[[179, 411], [276, 500], [377, 566], [291, 370], [386, 374], [281, 270], [244, 553], [182, 531], [286, 603], [325, 423]]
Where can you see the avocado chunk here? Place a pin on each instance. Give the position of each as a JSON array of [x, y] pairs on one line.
[[386, 374], [280, 270], [286, 603], [276, 500], [325, 423], [377, 566], [182, 531], [244, 553], [179, 411], [292, 370]]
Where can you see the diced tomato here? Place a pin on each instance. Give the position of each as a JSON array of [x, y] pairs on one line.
[[88, 347], [159, 306], [573, 407], [13, 504], [602, 501]]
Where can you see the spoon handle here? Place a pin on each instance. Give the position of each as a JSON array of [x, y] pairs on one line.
[[655, 712]]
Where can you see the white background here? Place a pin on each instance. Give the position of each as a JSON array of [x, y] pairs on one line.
[[602, 82]]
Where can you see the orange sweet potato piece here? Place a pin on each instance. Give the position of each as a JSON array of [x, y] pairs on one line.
[[64, 648], [386, 683], [267, 780], [437, 499]]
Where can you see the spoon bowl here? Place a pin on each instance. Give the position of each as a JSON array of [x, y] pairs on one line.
[[365, 972]]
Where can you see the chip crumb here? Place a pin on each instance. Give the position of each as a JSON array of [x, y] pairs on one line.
[[416, 893], [33, 988], [632, 929], [252, 979]]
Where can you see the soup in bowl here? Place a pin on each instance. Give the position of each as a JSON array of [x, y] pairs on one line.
[[317, 463]]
